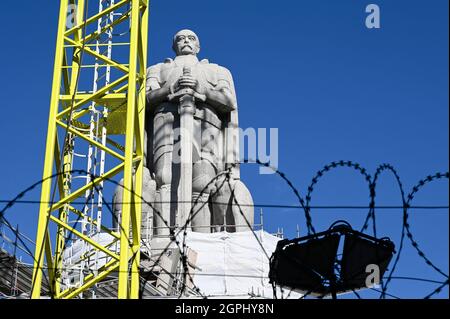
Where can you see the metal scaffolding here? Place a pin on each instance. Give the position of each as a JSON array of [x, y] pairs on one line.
[[103, 126]]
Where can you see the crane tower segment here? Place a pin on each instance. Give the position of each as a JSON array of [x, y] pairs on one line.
[[95, 133]]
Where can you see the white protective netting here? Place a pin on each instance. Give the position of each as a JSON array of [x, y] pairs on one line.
[[234, 264]]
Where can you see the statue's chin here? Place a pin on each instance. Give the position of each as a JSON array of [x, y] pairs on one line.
[[186, 52]]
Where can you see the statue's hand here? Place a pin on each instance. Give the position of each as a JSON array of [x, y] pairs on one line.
[[187, 81]]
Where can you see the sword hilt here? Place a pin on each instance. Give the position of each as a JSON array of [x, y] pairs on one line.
[[187, 90]]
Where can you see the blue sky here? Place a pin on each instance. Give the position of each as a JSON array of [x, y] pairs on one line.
[[333, 88]]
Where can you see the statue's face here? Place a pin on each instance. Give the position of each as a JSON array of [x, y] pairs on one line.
[[186, 42]]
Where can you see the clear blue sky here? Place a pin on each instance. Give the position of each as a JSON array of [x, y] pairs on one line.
[[334, 89]]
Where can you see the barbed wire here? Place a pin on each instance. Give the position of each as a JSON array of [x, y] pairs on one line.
[[380, 169], [184, 228], [11, 203], [320, 174], [437, 290], [409, 234], [306, 205], [31, 267], [289, 183], [173, 238], [256, 205]]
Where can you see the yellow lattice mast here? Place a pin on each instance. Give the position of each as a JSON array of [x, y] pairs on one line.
[[122, 101]]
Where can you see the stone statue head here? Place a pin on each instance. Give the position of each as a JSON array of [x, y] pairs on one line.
[[186, 42]]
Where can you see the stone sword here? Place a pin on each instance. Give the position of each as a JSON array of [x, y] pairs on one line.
[[186, 109]]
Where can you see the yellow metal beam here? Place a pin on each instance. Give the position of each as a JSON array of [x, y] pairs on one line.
[[60, 240], [80, 192], [83, 237], [93, 96], [48, 163], [65, 74], [97, 16], [94, 222], [100, 45], [103, 58], [89, 140], [50, 265], [67, 164], [114, 106], [90, 281], [125, 95], [88, 255], [108, 100], [127, 210], [142, 57], [95, 35]]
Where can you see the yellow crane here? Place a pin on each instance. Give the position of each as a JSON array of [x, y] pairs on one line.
[[117, 133]]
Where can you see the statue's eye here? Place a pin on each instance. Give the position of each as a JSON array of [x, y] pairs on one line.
[[192, 38]]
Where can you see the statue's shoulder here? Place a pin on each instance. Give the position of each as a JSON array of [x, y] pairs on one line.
[[154, 69], [221, 72]]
